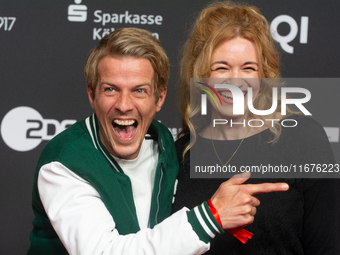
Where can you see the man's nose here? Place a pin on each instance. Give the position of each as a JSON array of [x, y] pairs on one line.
[[124, 102]]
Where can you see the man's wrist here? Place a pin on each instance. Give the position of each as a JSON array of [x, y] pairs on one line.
[[203, 222], [214, 212]]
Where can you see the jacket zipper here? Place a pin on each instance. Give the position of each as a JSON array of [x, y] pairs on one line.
[[158, 195]]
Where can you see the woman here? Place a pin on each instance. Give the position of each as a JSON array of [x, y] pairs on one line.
[[232, 44]]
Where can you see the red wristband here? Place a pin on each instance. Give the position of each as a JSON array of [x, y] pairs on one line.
[[240, 233], [214, 212]]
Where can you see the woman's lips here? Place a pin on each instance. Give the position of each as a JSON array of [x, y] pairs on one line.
[[227, 96]]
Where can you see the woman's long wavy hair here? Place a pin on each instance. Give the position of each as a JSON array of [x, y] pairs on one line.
[[219, 22]]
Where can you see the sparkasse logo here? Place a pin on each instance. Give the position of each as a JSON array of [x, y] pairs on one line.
[[77, 12]]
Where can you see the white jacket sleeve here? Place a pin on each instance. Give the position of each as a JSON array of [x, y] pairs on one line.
[[85, 226]]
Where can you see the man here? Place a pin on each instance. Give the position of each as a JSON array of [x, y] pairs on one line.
[[105, 185]]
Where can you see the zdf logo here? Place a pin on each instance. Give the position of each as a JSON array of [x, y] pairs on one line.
[[283, 40], [23, 128], [77, 12]]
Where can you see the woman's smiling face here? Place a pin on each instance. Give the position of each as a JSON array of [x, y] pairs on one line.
[[235, 61]]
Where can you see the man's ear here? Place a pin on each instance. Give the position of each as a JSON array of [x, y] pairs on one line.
[[161, 100], [90, 94]]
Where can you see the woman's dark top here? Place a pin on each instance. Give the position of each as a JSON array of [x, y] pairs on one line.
[[303, 220]]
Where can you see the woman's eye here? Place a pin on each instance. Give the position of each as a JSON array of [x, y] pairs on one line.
[[250, 69], [221, 69]]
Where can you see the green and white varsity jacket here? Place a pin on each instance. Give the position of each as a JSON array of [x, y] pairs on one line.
[[65, 224]]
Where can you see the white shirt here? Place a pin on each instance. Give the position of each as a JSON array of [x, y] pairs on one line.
[[141, 172]]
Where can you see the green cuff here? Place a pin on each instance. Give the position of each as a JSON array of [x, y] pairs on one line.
[[204, 223]]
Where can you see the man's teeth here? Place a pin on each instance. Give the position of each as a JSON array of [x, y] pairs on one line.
[[124, 122]]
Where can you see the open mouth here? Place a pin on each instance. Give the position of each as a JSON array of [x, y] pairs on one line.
[[228, 95], [125, 128]]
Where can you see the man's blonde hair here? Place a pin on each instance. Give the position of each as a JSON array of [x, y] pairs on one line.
[[135, 42]]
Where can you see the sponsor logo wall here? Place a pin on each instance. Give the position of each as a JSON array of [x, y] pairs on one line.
[[43, 48]]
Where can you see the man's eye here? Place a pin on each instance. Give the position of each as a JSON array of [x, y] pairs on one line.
[[109, 89], [139, 91]]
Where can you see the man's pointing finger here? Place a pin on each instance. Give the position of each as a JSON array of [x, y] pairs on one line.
[[265, 188]]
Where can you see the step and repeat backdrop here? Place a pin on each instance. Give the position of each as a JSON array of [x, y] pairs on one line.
[[43, 48]]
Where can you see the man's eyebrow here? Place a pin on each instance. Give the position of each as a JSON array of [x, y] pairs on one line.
[[114, 85], [107, 83], [144, 84]]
